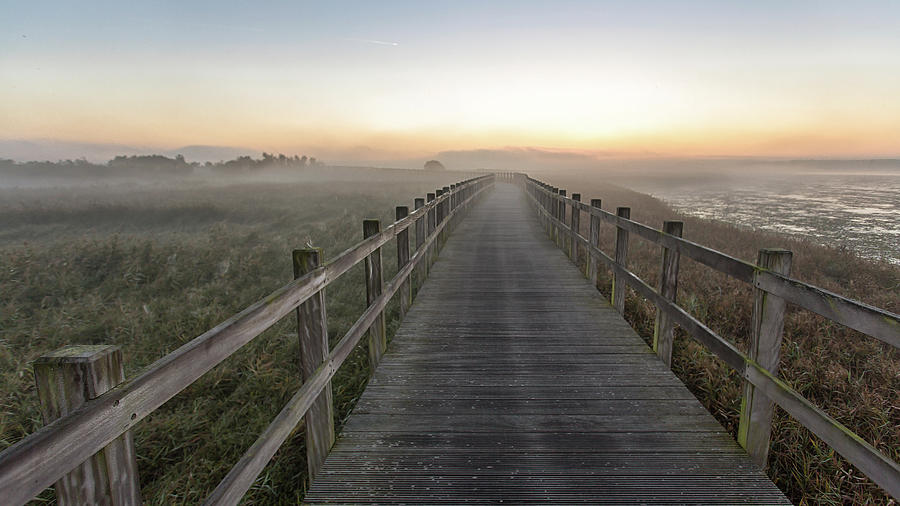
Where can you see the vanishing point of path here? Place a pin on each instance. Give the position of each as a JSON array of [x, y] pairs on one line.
[[512, 379]]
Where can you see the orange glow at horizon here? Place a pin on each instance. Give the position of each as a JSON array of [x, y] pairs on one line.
[[714, 80]]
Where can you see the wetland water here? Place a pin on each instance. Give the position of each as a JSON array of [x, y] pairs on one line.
[[856, 209]]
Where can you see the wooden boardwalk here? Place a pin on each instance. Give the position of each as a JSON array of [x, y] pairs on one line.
[[512, 379]]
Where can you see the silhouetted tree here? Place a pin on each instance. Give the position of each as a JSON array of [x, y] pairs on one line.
[[434, 165]]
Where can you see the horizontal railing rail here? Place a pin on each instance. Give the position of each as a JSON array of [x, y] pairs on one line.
[[875, 322], [244, 473], [43, 458]]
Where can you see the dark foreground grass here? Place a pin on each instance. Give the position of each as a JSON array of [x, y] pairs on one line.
[[151, 267], [853, 377]]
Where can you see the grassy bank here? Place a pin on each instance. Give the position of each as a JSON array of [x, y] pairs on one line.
[[150, 266], [854, 378]]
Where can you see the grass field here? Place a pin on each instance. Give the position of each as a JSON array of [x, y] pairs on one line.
[[853, 377], [149, 267]]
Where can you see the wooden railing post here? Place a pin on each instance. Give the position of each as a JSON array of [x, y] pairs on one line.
[[593, 266], [448, 201], [438, 219], [663, 331], [618, 289], [420, 240], [453, 197], [66, 379], [312, 330], [430, 223], [402, 260], [575, 223], [554, 212], [445, 215], [755, 427], [374, 287], [561, 216], [551, 208]]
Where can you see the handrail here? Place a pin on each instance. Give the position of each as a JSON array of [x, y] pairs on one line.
[[875, 322], [236, 483], [880, 468], [42, 458]]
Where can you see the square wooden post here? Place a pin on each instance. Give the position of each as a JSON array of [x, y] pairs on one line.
[[66, 379], [312, 330], [551, 209], [576, 225], [663, 331], [755, 426], [593, 266], [374, 287], [431, 223], [420, 240], [561, 216], [402, 260], [445, 215], [454, 195], [618, 288], [438, 219]]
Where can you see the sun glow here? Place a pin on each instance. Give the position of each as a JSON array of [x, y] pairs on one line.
[[734, 80]]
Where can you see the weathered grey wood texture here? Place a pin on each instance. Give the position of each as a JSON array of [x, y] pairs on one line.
[[512, 378], [66, 379], [757, 410], [312, 331]]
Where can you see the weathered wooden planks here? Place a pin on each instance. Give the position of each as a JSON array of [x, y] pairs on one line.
[[513, 379]]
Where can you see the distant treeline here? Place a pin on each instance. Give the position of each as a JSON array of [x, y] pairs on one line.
[[152, 166]]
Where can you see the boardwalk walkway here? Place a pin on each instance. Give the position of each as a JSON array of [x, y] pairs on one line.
[[513, 379]]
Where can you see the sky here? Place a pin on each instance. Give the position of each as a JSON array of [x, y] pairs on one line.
[[369, 81]]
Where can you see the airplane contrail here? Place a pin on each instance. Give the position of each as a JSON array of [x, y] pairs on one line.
[[379, 42]]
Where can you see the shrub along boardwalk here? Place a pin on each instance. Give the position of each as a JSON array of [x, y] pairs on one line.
[[512, 378]]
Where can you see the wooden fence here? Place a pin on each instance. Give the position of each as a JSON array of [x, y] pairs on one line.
[[773, 288], [87, 449]]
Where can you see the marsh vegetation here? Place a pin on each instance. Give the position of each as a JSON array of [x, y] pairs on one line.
[[150, 266]]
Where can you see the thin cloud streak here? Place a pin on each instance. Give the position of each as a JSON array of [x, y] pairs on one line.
[[373, 41]]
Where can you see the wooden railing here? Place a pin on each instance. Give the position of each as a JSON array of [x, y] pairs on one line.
[[88, 421], [773, 288]]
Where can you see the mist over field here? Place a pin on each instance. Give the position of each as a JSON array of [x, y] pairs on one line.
[[850, 203], [853, 204]]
